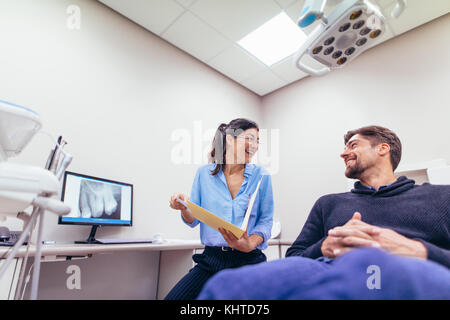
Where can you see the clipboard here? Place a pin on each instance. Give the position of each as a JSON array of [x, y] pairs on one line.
[[216, 222]]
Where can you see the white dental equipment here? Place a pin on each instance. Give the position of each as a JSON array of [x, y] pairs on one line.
[[350, 29], [23, 186]]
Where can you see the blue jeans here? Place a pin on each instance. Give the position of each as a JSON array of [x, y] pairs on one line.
[[364, 273]]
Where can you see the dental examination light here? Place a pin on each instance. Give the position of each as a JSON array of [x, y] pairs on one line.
[[23, 186], [350, 29]]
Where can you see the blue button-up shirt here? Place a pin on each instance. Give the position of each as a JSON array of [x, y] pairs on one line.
[[211, 193]]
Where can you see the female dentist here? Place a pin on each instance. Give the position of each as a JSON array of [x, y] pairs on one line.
[[224, 187]]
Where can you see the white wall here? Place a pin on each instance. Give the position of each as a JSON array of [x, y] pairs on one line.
[[116, 93], [402, 84]]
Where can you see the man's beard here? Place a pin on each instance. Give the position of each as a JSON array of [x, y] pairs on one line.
[[355, 171]]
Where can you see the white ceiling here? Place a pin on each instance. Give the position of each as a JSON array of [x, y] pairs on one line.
[[209, 31]]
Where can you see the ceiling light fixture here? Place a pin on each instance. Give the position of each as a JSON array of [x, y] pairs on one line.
[[275, 40]]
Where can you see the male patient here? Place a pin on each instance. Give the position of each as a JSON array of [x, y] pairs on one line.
[[386, 239]]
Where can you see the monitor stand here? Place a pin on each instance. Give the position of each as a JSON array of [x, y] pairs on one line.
[[91, 239]]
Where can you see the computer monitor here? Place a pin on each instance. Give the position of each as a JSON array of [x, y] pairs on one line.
[[96, 202]]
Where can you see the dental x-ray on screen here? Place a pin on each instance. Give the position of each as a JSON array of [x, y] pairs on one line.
[[96, 200]]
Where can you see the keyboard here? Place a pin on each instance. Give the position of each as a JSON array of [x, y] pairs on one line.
[[123, 241]]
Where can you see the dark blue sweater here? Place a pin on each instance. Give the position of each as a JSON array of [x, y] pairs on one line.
[[416, 212]]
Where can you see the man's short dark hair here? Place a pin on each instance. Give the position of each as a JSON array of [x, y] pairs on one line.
[[377, 135]]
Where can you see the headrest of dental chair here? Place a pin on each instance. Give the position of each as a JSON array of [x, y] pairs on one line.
[[18, 125]]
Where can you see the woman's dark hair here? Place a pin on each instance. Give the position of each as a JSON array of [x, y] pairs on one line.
[[377, 135], [219, 145]]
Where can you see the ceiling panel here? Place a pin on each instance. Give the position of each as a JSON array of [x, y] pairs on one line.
[[285, 3], [195, 37], [287, 71], [209, 30], [186, 3], [236, 63], [416, 13], [263, 82], [235, 18], [154, 15]]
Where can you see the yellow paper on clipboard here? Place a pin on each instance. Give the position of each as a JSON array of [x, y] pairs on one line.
[[215, 222]]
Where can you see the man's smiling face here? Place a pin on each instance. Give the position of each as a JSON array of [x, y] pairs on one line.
[[359, 155]]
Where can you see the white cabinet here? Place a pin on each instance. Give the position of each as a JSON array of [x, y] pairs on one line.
[[435, 171]]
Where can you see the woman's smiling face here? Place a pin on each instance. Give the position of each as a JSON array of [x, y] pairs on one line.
[[244, 146]]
